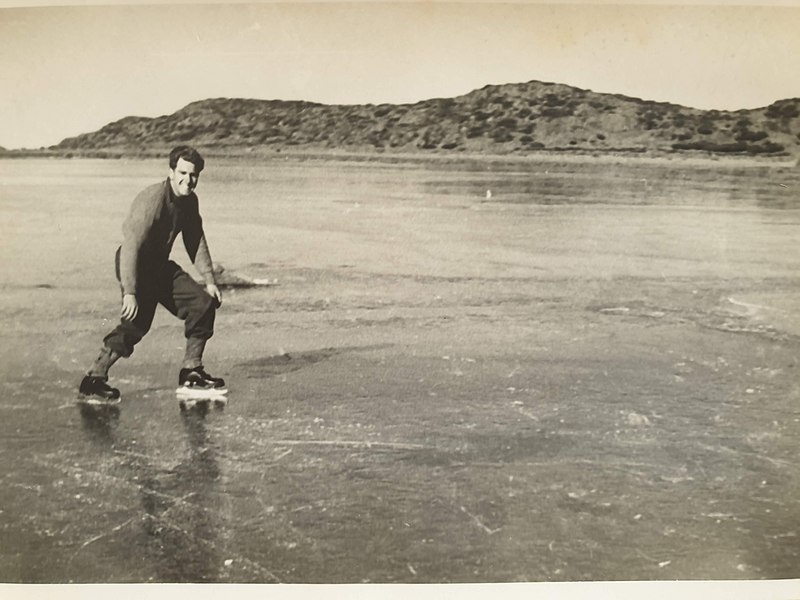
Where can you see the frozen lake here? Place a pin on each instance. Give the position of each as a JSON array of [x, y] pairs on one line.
[[466, 371]]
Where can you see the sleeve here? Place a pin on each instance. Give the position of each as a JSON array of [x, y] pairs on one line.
[[135, 230], [194, 239]]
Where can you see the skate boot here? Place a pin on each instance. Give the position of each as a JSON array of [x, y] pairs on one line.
[[196, 383], [95, 390], [198, 378]]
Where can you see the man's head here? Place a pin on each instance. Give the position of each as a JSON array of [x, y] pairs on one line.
[[185, 165]]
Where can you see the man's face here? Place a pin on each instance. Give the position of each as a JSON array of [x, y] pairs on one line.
[[183, 178]]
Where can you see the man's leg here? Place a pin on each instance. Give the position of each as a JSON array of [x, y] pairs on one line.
[[127, 334], [122, 339], [104, 361], [193, 357], [120, 342], [190, 302]]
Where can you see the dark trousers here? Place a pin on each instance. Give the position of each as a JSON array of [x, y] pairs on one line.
[[175, 290]]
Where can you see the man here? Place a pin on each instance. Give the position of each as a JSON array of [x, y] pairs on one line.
[[149, 278]]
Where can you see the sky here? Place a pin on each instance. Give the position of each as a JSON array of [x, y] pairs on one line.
[[67, 70]]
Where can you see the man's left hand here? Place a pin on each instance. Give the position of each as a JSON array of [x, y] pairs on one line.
[[213, 291]]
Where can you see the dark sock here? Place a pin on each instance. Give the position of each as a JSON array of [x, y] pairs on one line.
[[193, 357], [104, 362]]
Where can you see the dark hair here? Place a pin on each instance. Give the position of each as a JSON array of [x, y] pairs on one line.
[[186, 153]]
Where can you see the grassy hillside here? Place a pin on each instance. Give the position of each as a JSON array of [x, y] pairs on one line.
[[513, 118]]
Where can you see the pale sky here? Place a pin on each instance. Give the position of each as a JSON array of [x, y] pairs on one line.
[[72, 69]]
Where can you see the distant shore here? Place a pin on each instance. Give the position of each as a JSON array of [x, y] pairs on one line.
[[371, 155]]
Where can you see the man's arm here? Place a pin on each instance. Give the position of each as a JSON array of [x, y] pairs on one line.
[[205, 266], [130, 307], [135, 229], [194, 239]]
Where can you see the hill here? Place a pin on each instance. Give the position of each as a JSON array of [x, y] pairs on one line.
[[511, 118]]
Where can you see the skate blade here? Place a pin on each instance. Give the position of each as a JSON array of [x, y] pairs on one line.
[[187, 393], [94, 401]]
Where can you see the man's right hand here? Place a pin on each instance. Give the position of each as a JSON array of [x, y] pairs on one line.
[[130, 308]]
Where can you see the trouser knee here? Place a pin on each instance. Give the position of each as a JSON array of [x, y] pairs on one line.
[[200, 320], [123, 339]]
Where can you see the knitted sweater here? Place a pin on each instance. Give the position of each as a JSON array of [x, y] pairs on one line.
[[156, 218]]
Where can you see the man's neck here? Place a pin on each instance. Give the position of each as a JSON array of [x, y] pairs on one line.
[[173, 197]]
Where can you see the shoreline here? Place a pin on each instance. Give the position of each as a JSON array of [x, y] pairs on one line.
[[552, 156]]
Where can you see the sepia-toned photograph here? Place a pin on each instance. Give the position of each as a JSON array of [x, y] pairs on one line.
[[400, 293]]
